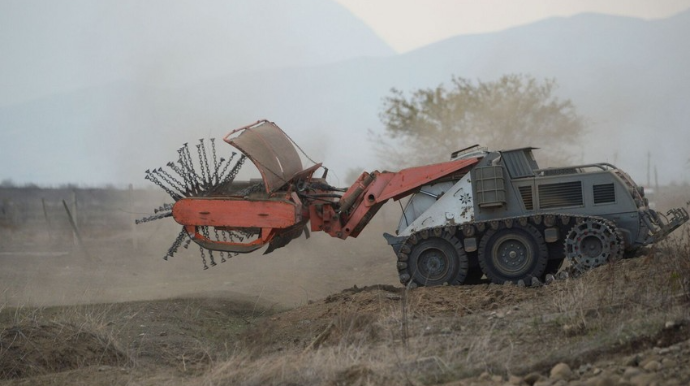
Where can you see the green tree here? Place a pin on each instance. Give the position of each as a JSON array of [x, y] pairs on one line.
[[514, 111]]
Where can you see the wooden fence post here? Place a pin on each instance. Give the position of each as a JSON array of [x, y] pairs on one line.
[[45, 215], [76, 232], [73, 218], [132, 217]]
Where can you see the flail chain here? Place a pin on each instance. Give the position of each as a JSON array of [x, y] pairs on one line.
[[183, 179]]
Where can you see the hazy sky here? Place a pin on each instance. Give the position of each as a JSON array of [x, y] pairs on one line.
[[408, 24], [157, 73]]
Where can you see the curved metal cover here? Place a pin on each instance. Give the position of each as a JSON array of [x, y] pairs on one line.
[[270, 150]]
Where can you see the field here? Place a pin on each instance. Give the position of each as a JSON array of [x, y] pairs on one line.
[[320, 311]]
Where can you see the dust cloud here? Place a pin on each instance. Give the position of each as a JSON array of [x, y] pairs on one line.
[[42, 264]]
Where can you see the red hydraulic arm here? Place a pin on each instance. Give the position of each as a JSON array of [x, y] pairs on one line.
[[371, 190]]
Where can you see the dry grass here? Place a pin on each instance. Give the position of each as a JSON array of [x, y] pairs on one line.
[[366, 350], [36, 341], [678, 247], [607, 306], [605, 311]]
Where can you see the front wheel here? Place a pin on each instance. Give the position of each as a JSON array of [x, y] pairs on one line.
[[512, 254], [438, 261]]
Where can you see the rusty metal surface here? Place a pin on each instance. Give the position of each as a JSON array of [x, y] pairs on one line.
[[236, 213], [408, 179], [271, 151]]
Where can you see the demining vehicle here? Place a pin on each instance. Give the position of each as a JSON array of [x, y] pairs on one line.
[[493, 213]]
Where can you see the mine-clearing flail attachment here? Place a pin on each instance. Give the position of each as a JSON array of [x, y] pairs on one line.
[[270, 212], [230, 217]]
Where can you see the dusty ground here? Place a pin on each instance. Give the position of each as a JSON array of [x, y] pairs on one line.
[[324, 311]]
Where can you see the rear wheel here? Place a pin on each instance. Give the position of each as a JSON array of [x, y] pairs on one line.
[[593, 242], [438, 261], [512, 254]]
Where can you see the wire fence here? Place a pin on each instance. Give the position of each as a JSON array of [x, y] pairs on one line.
[[30, 212]]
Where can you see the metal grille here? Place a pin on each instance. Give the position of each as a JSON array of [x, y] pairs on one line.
[[604, 193], [560, 195], [527, 199], [489, 186], [517, 163]]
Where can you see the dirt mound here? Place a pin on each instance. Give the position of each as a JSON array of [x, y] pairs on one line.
[[38, 348], [355, 311]]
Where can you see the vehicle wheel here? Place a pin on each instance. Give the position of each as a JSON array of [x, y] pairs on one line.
[[592, 243], [512, 254], [438, 261]]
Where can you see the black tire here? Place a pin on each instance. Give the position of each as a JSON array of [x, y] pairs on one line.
[[513, 254], [438, 261]]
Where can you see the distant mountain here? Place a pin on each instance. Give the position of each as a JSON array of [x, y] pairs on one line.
[[50, 47], [628, 76]]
